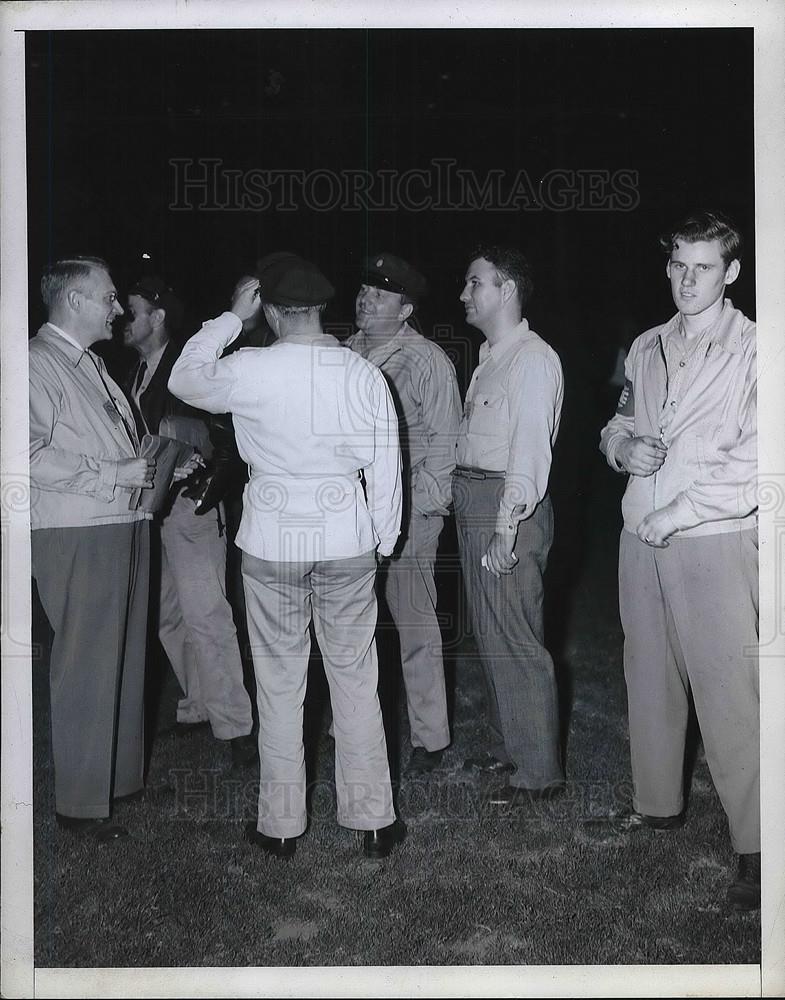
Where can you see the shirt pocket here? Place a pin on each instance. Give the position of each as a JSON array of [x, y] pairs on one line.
[[488, 414]]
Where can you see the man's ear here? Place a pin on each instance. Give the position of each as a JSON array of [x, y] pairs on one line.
[[73, 298], [158, 317], [732, 272], [406, 311], [508, 290]]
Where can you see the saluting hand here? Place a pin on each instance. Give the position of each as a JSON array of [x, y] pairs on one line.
[[245, 300]]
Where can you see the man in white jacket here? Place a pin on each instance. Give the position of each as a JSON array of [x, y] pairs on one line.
[[685, 432], [317, 427]]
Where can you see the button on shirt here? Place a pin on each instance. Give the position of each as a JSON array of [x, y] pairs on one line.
[[511, 419], [428, 407], [309, 417], [707, 482]]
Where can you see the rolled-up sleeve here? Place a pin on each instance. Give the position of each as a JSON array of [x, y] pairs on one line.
[[199, 376]]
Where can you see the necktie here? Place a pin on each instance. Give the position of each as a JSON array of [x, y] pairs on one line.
[[140, 376]]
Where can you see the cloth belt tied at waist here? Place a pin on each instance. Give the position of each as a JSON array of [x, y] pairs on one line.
[[469, 472]]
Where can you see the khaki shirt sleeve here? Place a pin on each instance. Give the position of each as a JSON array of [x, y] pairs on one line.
[[441, 415]]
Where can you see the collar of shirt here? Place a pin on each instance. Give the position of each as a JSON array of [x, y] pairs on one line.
[[320, 339], [379, 353], [723, 332], [153, 361], [66, 336], [505, 342]]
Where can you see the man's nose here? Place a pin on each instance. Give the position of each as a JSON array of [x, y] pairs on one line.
[[464, 296], [689, 277], [118, 309]]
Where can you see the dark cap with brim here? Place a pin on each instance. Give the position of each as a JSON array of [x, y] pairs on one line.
[[288, 280], [385, 270], [156, 291]]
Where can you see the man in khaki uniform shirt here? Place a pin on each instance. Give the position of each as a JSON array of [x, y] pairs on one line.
[[505, 524], [422, 380], [685, 432]]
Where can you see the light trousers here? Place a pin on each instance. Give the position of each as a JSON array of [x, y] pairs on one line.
[[410, 592], [196, 627], [690, 619], [281, 600]]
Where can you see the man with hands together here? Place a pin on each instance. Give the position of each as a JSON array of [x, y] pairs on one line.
[[685, 431]]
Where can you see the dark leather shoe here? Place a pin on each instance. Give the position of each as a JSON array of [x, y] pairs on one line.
[[422, 761], [243, 751], [101, 829], [488, 764], [634, 821], [279, 847], [744, 891], [511, 795], [378, 843]]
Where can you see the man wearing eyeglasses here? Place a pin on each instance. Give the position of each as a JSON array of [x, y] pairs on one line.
[[90, 552], [195, 622]]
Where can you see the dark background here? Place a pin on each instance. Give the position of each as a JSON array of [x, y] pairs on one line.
[[107, 112]]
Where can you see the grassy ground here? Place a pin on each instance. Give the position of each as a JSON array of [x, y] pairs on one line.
[[468, 887]]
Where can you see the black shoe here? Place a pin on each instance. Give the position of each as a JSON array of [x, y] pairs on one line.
[[243, 751], [279, 847], [512, 795], [488, 764], [186, 728], [422, 761], [101, 829], [744, 891], [661, 824], [378, 843]]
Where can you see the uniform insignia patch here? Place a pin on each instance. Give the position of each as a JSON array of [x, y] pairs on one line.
[[626, 406]]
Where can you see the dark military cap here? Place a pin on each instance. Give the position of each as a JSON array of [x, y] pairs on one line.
[[288, 280], [160, 295], [271, 260], [385, 270]]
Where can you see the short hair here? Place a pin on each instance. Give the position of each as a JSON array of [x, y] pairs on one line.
[[512, 265], [706, 226], [296, 310], [62, 274]]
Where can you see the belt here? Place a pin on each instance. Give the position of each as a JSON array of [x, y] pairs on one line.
[[469, 472]]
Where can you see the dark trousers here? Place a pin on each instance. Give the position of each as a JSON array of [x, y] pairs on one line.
[[93, 584], [507, 619]]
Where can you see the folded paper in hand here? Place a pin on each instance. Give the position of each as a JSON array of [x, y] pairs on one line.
[[169, 455]]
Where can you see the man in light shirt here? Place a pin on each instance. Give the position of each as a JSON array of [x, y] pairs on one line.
[[195, 623], [90, 552], [685, 433], [505, 524], [317, 427], [423, 384]]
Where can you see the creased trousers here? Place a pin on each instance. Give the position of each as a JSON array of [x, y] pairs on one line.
[[281, 599]]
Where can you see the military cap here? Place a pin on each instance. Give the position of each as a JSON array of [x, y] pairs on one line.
[[289, 280], [156, 291], [385, 270]]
